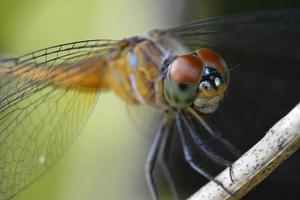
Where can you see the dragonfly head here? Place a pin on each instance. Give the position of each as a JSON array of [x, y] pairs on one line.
[[198, 79]]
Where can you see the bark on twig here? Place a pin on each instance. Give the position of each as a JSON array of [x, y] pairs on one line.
[[281, 141]]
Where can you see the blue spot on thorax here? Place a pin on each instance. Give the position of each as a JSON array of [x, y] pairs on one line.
[[133, 60]]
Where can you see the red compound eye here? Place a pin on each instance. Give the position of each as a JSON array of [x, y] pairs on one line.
[[212, 59], [186, 69]]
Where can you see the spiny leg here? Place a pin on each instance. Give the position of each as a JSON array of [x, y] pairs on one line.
[[166, 164], [152, 159], [199, 142], [215, 134], [196, 165]]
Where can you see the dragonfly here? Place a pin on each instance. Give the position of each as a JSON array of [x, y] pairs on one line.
[[184, 73]]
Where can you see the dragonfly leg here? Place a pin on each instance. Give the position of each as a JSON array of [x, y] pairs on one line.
[[194, 163], [152, 159], [199, 141], [166, 164], [215, 134], [232, 149]]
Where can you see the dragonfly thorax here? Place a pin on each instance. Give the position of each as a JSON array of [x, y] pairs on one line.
[[197, 79]]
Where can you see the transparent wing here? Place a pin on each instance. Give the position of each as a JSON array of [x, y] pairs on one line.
[[39, 121], [266, 83], [70, 56], [145, 119], [266, 41], [268, 33]]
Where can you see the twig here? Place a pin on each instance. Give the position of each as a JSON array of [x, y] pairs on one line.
[[281, 141]]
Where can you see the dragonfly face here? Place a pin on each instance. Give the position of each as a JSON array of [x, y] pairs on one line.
[[197, 79]]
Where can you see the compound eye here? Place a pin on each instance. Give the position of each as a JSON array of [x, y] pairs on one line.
[[212, 59], [182, 80], [186, 69]]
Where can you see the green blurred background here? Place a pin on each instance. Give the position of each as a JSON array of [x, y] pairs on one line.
[[107, 160]]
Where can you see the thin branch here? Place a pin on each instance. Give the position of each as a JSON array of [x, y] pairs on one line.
[[280, 142]]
